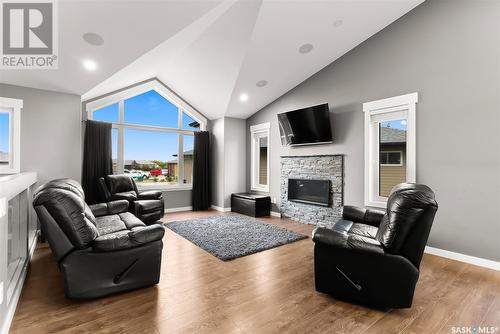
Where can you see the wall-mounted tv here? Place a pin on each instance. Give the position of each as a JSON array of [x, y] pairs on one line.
[[306, 126]]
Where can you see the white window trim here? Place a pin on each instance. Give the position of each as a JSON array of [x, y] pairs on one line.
[[13, 107], [256, 132], [403, 106], [183, 107], [393, 165]]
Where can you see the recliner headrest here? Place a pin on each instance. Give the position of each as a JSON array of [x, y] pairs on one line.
[[119, 183], [65, 201], [405, 205]]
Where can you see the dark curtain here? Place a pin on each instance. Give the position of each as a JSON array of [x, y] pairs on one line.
[[97, 159], [201, 170]]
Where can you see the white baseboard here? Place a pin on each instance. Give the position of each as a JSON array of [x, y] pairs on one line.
[[184, 208], [221, 209], [275, 214], [463, 258]]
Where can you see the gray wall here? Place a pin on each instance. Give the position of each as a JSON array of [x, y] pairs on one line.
[[177, 199], [228, 167], [449, 52], [234, 158], [50, 132], [217, 162]]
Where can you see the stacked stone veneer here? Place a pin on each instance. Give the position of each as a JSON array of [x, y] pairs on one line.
[[318, 167]]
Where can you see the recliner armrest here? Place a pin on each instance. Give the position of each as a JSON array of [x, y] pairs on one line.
[[363, 216], [129, 239], [150, 194], [109, 208], [352, 242]]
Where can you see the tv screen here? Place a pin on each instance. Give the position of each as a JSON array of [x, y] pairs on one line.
[[306, 126]]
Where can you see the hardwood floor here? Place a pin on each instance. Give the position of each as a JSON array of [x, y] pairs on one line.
[[268, 292]]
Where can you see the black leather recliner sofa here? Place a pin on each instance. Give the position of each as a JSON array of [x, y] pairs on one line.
[[101, 249], [147, 205], [372, 257]]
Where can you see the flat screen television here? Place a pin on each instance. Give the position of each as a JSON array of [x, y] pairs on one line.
[[306, 126]]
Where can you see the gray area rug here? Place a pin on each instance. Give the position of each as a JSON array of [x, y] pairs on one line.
[[232, 236]]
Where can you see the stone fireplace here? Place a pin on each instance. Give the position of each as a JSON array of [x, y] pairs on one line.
[[311, 205]]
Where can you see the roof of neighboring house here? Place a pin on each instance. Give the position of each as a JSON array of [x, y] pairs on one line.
[[392, 135], [188, 152]]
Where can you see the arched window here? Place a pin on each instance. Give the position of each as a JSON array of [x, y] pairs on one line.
[[153, 134]]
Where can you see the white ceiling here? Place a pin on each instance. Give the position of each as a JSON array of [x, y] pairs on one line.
[[129, 29], [209, 52]]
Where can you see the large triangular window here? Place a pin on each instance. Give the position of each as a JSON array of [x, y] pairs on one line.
[[153, 134]]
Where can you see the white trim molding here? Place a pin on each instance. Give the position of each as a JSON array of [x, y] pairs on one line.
[[490, 264], [180, 209], [13, 108], [220, 209], [137, 89], [257, 132], [401, 107], [275, 214]]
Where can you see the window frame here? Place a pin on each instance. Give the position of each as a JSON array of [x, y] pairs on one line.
[[393, 165], [257, 132], [13, 108], [120, 96], [375, 112]]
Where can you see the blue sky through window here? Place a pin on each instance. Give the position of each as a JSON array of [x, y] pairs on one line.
[[152, 109], [4, 132], [107, 114], [150, 145], [397, 124]]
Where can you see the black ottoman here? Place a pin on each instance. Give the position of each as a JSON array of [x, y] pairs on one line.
[[251, 205], [149, 210]]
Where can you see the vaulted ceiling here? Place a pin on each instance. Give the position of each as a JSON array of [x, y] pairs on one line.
[[208, 52]]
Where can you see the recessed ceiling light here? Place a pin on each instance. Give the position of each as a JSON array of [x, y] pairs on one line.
[[243, 97], [306, 48], [93, 39], [261, 83], [337, 23], [89, 65]]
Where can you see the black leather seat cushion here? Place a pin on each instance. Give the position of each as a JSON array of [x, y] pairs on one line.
[[128, 239], [110, 224], [345, 234]]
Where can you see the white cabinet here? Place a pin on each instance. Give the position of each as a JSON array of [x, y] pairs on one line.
[[18, 232]]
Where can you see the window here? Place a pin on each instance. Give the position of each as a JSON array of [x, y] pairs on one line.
[[10, 132], [260, 157], [152, 136], [389, 146], [391, 158]]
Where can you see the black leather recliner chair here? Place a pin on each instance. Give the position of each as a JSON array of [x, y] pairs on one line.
[[372, 257], [147, 205], [101, 249]]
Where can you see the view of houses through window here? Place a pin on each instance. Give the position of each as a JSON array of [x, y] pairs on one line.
[[392, 165], [146, 142]]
